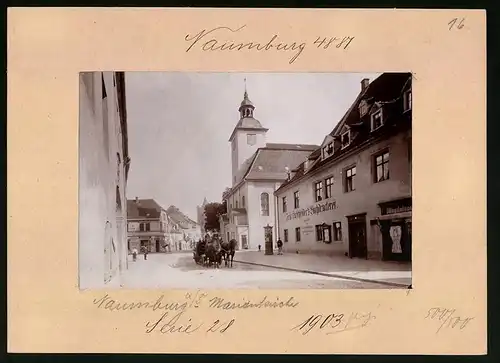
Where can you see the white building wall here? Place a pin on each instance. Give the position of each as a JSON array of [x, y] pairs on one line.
[[102, 230], [242, 150], [256, 221]]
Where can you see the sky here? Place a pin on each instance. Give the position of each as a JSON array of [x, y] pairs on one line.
[[179, 125]]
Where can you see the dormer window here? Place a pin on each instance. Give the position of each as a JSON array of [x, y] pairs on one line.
[[328, 150], [363, 108], [345, 139], [377, 120], [407, 101]]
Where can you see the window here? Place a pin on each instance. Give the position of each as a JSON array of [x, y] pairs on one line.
[[381, 167], [318, 191], [264, 204], [363, 108], [345, 139], [297, 234], [328, 150], [328, 187], [407, 101], [236, 204], [251, 139], [319, 233], [243, 201], [285, 235], [230, 206], [296, 200], [284, 204], [350, 174], [144, 227], [337, 231], [377, 119]]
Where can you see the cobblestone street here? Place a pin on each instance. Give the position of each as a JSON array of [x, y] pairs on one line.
[[179, 271]]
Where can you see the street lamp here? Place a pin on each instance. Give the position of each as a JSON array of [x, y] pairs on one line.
[[268, 233]]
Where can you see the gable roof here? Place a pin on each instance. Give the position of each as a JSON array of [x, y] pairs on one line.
[[300, 147], [270, 163], [143, 208], [178, 217], [386, 89]]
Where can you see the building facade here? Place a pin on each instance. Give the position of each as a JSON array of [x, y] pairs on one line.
[[353, 195], [258, 169], [103, 170], [147, 226], [187, 232]]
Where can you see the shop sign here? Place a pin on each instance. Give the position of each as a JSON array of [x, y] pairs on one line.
[[313, 210], [400, 206]]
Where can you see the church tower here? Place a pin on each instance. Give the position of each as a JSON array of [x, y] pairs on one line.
[[248, 135]]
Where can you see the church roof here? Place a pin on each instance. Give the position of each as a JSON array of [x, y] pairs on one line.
[[270, 162], [249, 123], [143, 208], [246, 102], [300, 147]]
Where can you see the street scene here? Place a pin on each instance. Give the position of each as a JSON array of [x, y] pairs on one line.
[[245, 181], [176, 270]]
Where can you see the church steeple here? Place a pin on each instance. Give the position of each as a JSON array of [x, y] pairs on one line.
[[246, 107]]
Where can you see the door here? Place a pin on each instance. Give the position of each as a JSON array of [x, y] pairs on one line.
[[357, 236], [157, 245], [244, 241]]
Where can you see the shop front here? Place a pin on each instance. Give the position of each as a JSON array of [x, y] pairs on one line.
[[395, 227]]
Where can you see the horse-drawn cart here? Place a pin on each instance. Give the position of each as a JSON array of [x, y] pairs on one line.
[[199, 253]]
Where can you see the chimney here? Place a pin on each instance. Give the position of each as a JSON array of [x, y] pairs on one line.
[[364, 84]]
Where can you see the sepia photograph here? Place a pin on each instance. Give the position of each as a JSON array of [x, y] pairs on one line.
[[197, 180]]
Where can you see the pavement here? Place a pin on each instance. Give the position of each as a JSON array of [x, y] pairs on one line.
[[253, 270], [389, 273]]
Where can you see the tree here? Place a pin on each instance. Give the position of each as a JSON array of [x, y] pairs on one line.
[[212, 213]]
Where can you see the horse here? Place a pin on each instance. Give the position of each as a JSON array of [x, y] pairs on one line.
[[213, 253], [229, 249]]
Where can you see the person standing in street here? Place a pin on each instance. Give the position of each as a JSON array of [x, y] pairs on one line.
[[280, 246], [145, 251]]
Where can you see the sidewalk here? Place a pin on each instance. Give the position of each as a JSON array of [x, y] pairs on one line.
[[384, 272]]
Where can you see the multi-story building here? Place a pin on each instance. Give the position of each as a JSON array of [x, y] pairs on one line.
[[353, 194], [148, 226], [103, 169], [258, 169], [187, 231]]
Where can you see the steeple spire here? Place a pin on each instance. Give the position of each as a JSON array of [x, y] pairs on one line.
[[246, 107]]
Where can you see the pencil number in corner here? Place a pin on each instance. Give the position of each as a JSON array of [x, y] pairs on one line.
[[456, 23]]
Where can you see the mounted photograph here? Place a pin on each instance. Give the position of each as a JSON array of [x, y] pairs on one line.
[[196, 180]]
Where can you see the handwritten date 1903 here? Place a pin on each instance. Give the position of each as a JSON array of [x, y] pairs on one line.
[[334, 323]]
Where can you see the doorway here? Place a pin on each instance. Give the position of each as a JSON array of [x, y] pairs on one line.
[[357, 236], [244, 242], [157, 245]]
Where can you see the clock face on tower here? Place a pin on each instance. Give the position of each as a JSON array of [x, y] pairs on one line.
[[251, 139]]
